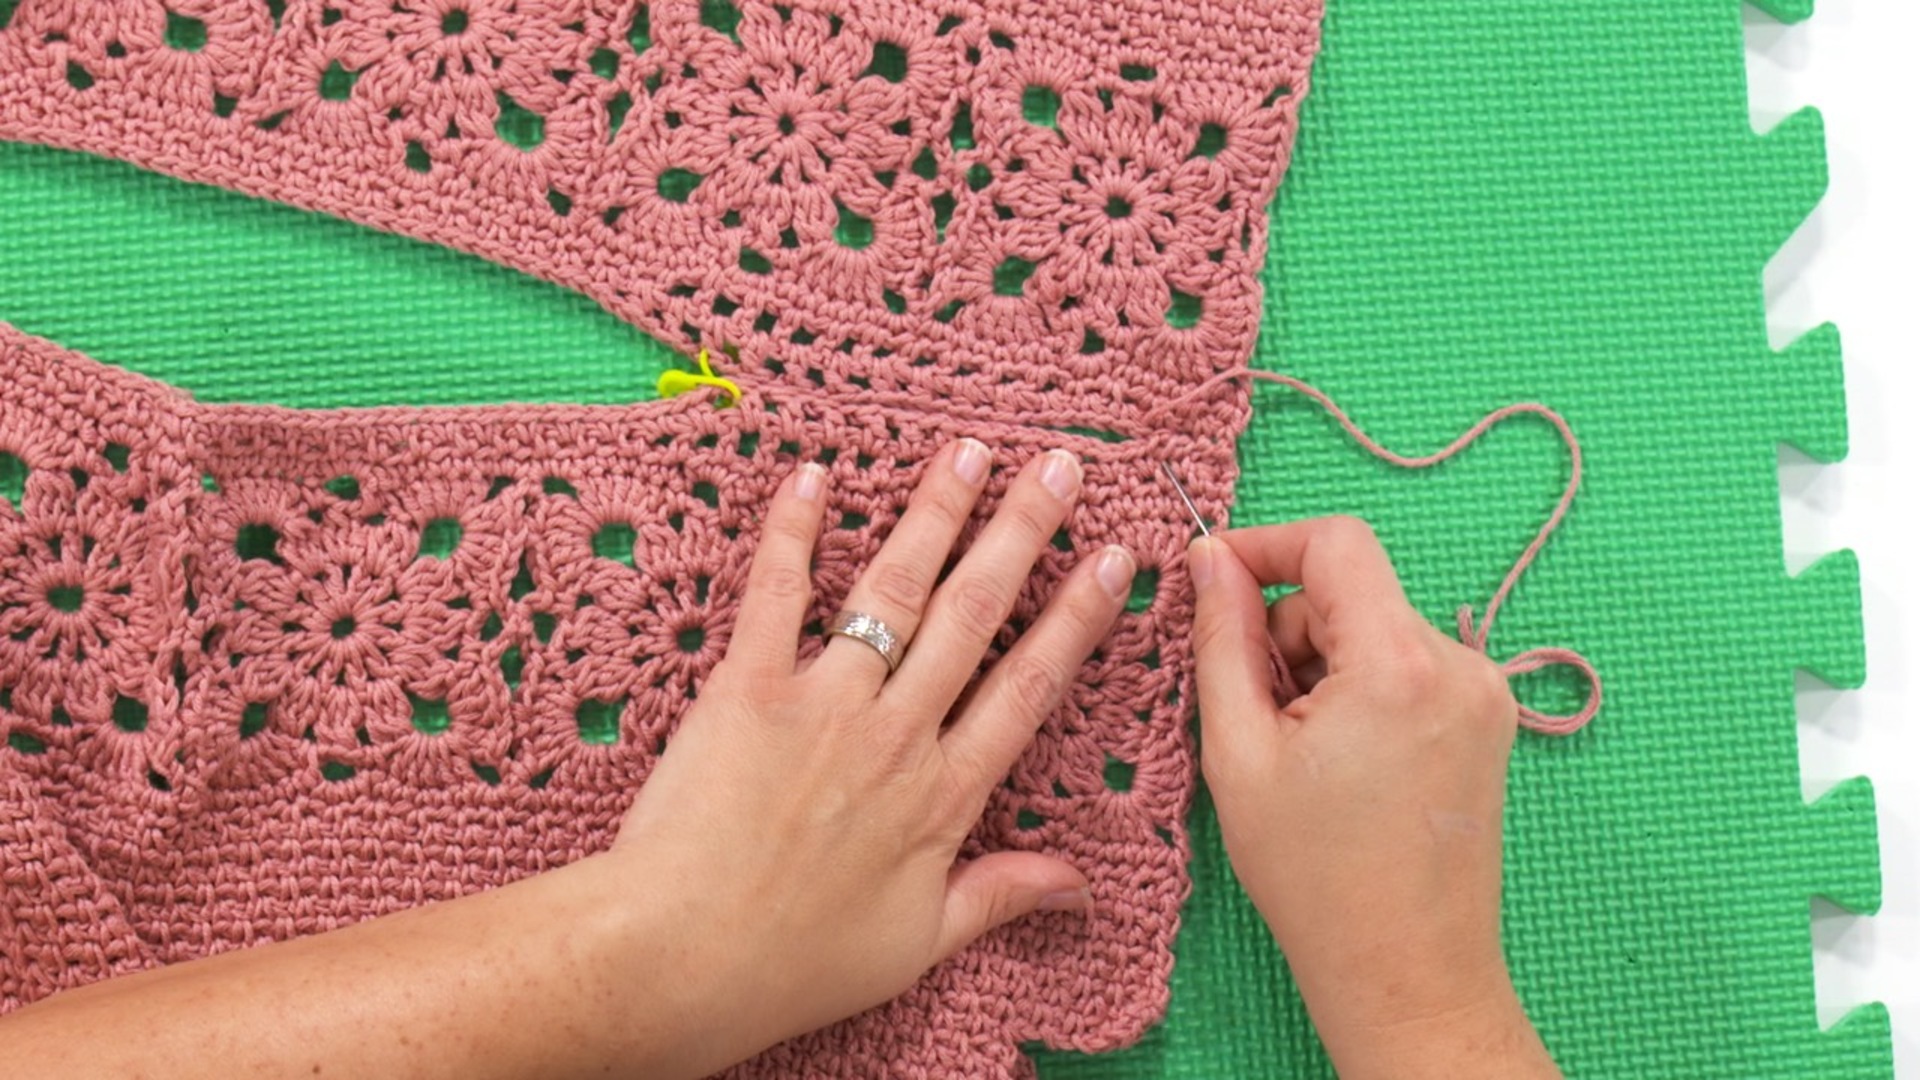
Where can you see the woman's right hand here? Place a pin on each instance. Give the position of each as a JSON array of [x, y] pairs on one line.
[[1364, 817]]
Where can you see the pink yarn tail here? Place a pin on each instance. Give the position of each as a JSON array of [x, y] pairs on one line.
[[1474, 636]]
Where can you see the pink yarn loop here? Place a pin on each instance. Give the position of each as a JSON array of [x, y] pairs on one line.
[[1547, 723], [1474, 637]]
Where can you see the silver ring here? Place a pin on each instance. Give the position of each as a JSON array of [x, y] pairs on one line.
[[869, 631]]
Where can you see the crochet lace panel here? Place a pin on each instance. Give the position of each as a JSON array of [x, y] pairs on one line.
[[1053, 212], [265, 672]]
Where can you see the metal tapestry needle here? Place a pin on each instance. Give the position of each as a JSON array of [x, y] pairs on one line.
[[1185, 498]]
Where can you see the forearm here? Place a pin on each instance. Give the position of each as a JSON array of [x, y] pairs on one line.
[[1489, 1038], [513, 982]]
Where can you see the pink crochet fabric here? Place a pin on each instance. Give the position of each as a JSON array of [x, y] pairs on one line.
[[267, 672], [264, 672], [1052, 213]]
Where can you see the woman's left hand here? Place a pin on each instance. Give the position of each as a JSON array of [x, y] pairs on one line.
[[790, 861], [799, 836]]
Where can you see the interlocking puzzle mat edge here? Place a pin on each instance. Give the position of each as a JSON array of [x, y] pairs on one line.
[[1721, 983]]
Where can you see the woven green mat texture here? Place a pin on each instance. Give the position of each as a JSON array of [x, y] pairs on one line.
[[1492, 200]]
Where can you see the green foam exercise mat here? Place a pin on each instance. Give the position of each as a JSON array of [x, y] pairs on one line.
[[1491, 200]]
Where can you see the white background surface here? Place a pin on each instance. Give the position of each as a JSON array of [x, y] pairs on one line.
[[1857, 263]]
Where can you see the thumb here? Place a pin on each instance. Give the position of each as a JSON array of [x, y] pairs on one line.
[[1232, 654], [1001, 887]]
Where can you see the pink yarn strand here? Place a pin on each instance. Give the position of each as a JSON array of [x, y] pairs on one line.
[[1475, 637]]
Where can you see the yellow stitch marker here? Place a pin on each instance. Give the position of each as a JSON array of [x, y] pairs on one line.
[[674, 382]]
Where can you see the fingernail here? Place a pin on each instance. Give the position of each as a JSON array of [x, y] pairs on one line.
[[1060, 472], [1115, 571], [1067, 900], [1200, 556], [971, 460], [811, 482]]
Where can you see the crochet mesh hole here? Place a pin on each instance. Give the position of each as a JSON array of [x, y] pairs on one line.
[[522, 581], [1027, 821], [676, 185], [78, 77], [960, 136], [943, 205], [691, 639], [429, 715], [25, 743], [604, 62], [67, 598], [755, 263], [1185, 310], [517, 126], [258, 541], [345, 487], [1146, 584], [129, 714], [13, 479], [554, 485], [707, 493], [544, 623], [559, 201], [1136, 72], [1213, 139], [889, 62], [439, 539], [640, 31], [721, 15], [336, 83], [599, 721], [7, 8], [417, 158], [185, 33], [614, 540], [1118, 774], [253, 719], [487, 773], [1010, 277], [617, 113], [852, 231], [453, 22], [336, 771], [343, 627], [511, 666], [1118, 207]]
